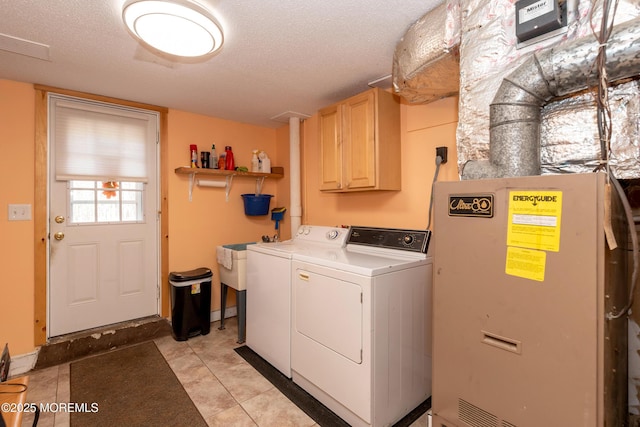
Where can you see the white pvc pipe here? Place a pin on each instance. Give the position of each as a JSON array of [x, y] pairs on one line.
[[296, 199]]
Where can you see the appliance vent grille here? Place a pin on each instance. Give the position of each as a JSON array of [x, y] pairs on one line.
[[508, 424], [475, 416]]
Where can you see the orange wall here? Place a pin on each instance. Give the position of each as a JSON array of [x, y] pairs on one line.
[[17, 134], [197, 227], [423, 128]]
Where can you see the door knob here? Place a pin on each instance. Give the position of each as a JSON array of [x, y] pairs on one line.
[[59, 219], [59, 235]]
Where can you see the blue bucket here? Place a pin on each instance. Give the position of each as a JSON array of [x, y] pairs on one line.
[[256, 204]]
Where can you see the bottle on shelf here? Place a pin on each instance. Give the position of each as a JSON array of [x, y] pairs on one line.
[[255, 162], [221, 161], [213, 158], [265, 162], [194, 155], [204, 159], [229, 162]]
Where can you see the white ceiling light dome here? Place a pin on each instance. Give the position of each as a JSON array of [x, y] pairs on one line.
[[176, 27]]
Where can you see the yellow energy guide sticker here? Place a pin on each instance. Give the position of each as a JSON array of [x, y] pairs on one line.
[[526, 263], [534, 219]]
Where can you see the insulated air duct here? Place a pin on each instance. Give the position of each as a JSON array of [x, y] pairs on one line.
[[426, 61], [514, 147]]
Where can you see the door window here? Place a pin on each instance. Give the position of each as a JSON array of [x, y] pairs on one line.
[[105, 202]]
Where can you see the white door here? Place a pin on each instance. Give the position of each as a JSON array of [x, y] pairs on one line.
[[103, 244]]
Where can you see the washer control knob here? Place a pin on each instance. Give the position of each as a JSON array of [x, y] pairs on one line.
[[332, 234], [408, 239], [300, 229], [307, 230]]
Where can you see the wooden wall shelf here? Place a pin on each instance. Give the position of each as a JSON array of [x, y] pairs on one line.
[[228, 175], [276, 172]]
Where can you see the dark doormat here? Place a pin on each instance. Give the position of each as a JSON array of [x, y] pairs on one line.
[[132, 386], [314, 409]]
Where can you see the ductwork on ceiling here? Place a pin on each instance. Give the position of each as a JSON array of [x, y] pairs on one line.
[[570, 139], [426, 63], [515, 113]]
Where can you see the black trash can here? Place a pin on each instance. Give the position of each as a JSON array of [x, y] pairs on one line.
[[190, 303]]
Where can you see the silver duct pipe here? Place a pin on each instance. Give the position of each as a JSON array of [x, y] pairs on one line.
[[514, 147]]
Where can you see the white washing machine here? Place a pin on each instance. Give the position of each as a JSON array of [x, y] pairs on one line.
[[268, 285], [361, 335]]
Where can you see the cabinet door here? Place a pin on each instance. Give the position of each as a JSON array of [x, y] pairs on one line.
[[330, 148], [359, 141]]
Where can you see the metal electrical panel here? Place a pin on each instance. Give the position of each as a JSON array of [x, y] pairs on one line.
[[539, 19]]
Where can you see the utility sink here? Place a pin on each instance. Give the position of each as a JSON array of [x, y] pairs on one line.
[[232, 260], [233, 265]]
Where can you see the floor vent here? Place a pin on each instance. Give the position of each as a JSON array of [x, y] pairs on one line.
[[475, 416]]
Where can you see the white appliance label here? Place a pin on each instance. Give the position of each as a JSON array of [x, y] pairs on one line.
[[547, 221], [534, 10]]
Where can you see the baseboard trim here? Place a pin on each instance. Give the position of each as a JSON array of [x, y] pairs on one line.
[[23, 363], [228, 312]]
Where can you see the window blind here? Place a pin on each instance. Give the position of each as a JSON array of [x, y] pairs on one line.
[[94, 141]]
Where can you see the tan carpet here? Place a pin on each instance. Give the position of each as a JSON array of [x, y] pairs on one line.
[[133, 386]]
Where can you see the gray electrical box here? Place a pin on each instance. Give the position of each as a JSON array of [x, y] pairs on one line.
[[539, 19]]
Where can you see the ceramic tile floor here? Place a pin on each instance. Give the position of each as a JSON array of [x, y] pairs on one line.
[[226, 390]]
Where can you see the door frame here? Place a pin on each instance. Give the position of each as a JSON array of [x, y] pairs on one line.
[[40, 211]]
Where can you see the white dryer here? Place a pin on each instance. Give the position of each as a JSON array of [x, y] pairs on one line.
[[361, 336], [268, 285]]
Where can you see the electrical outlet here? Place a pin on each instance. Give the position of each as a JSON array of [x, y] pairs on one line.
[[19, 212], [442, 152]]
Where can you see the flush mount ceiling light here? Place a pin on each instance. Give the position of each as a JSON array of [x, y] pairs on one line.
[[178, 27]]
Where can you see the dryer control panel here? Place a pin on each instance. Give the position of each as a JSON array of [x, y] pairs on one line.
[[334, 236], [390, 238]]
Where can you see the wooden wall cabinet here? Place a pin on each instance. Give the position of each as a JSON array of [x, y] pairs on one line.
[[360, 143]]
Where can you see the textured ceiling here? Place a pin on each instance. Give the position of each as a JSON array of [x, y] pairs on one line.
[[278, 56]]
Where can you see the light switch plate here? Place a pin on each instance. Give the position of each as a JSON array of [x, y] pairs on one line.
[[19, 212]]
